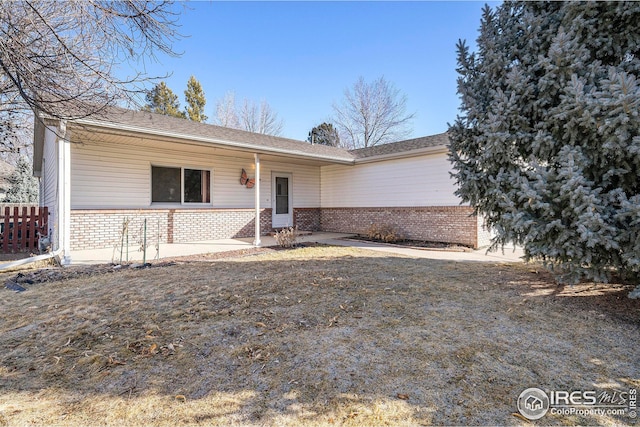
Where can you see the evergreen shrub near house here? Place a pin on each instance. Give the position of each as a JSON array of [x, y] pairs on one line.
[[23, 186], [547, 145]]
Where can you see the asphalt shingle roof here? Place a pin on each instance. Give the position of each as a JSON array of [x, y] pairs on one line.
[[146, 121], [186, 128], [440, 139]]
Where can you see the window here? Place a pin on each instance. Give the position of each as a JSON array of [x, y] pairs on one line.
[[167, 185], [282, 195], [196, 186]]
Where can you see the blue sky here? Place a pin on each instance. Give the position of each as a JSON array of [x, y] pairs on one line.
[[300, 56]]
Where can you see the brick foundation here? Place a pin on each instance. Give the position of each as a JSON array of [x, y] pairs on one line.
[[449, 224], [307, 219], [95, 229]]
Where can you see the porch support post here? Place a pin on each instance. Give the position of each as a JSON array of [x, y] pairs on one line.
[[256, 241]]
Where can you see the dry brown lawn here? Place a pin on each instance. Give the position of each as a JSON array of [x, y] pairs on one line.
[[312, 336]]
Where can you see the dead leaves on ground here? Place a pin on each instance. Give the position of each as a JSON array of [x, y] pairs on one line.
[[149, 347], [257, 353], [112, 360], [101, 352], [352, 415], [144, 349], [269, 321]]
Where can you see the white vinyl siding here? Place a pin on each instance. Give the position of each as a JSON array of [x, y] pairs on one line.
[[416, 181], [49, 177], [107, 176], [305, 180], [49, 188]]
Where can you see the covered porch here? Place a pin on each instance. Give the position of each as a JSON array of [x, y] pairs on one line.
[[120, 178]]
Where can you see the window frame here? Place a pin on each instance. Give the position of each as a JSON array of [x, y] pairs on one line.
[[182, 183]]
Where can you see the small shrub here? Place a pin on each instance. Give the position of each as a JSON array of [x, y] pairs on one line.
[[287, 237], [384, 233]]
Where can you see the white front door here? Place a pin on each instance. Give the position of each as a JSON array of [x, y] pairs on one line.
[[281, 201]]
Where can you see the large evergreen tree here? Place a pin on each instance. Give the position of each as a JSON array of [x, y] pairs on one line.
[[194, 96], [23, 186], [162, 100], [547, 147]]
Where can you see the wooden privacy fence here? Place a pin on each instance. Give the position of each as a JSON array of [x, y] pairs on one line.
[[21, 227]]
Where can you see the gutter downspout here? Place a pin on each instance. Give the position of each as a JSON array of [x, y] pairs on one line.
[[256, 241], [64, 195]]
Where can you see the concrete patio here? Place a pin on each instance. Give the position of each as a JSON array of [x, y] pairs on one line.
[[170, 250]]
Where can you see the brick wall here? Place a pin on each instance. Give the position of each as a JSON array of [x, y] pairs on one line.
[[450, 224], [307, 219], [94, 229], [211, 224]]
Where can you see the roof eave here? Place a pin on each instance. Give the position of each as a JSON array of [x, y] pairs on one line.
[[215, 142]]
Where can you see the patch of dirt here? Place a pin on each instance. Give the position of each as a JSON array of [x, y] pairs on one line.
[[54, 274], [420, 244], [315, 336], [223, 255]]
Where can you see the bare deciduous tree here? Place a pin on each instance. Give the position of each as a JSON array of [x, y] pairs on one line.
[[260, 118], [226, 114], [16, 136], [372, 114], [252, 117], [64, 58]]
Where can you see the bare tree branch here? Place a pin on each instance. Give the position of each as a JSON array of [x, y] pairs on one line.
[[250, 117], [63, 58], [372, 114], [226, 114], [260, 118]]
